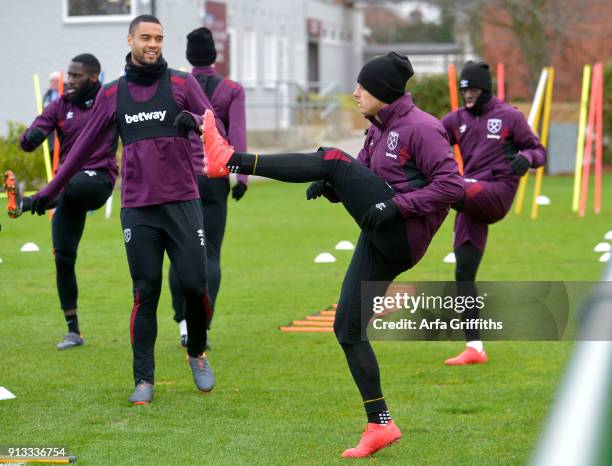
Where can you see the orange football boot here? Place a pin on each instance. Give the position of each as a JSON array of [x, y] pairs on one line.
[[217, 151], [469, 356], [376, 437]]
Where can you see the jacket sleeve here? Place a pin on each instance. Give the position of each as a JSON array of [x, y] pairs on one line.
[[196, 103], [433, 157], [236, 131], [94, 134], [449, 123], [46, 122], [527, 143]]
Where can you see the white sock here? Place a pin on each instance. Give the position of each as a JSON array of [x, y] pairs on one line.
[[183, 327], [476, 344]]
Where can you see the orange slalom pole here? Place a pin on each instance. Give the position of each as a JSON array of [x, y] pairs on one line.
[[599, 141], [586, 163], [56, 144], [454, 103], [501, 83]]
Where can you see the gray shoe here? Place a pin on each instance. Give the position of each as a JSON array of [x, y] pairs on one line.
[[143, 394], [202, 373], [70, 341]]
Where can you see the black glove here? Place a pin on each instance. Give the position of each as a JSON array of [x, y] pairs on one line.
[[39, 204], [379, 214], [322, 188], [518, 163], [315, 190], [184, 123], [238, 190], [35, 136]]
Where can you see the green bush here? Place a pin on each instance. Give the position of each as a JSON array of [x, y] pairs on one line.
[[607, 114], [430, 93], [28, 166]]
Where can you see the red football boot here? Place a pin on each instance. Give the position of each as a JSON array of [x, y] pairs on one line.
[[469, 356], [376, 437], [13, 194], [217, 151]]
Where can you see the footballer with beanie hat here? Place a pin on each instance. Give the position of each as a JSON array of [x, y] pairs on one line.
[[498, 147], [228, 101], [398, 190]]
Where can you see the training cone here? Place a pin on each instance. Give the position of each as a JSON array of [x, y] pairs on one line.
[[30, 247], [450, 258], [602, 247], [608, 235], [542, 200], [5, 394], [325, 257], [605, 257], [345, 246]]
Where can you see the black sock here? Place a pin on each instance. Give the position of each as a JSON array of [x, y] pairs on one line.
[[468, 259], [73, 323], [364, 368], [382, 417]]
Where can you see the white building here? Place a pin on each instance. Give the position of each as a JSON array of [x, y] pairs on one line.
[[274, 47]]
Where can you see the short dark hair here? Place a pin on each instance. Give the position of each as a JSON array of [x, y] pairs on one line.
[[142, 19], [89, 62]]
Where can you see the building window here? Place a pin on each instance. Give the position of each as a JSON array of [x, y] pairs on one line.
[[81, 11], [249, 58], [270, 71]]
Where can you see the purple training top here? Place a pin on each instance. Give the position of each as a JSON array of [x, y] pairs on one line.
[[409, 149], [69, 119], [481, 139], [228, 102], [153, 171]]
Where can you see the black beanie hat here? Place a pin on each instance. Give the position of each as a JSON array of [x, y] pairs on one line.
[[201, 47], [475, 75], [385, 76]]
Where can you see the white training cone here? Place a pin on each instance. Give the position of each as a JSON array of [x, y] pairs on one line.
[[325, 257], [345, 246], [30, 247], [450, 258], [608, 235], [0, 260], [605, 257], [542, 200], [602, 247], [5, 394]]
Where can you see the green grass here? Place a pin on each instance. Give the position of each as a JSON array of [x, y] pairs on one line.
[[280, 398]]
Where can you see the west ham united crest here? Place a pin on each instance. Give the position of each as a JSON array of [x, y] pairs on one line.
[[494, 125], [392, 140], [127, 235]]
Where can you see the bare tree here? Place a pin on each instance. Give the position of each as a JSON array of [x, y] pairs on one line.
[[540, 27]]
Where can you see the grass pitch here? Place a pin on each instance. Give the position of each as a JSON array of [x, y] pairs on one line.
[[280, 398]]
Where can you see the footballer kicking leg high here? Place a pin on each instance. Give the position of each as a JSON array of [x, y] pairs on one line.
[[376, 257]]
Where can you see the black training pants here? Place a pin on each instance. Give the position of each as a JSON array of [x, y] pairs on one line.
[[213, 196], [175, 228], [87, 190]]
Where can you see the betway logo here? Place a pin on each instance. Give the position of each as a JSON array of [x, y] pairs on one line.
[[144, 116]]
